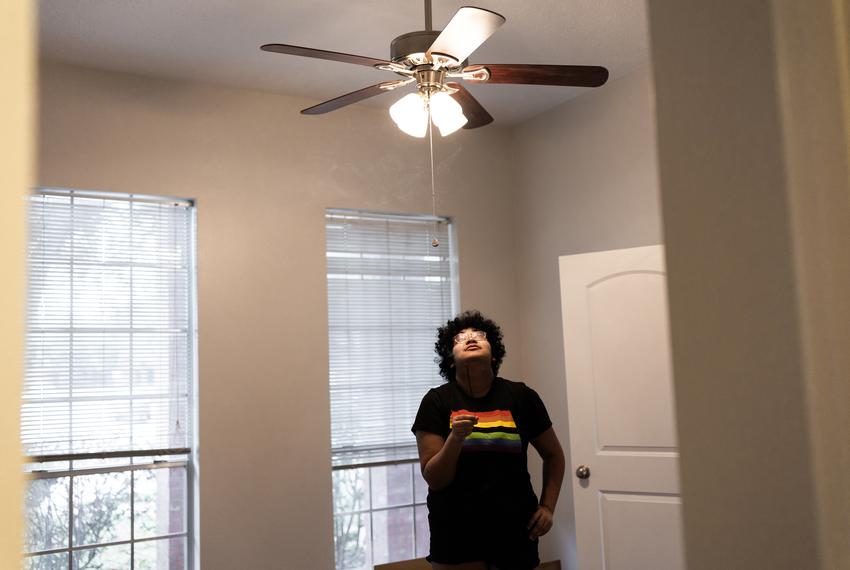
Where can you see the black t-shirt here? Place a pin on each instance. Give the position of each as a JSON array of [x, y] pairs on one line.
[[492, 473]]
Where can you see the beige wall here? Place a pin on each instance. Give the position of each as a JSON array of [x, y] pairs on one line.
[[587, 182], [814, 94], [755, 179], [263, 175], [16, 151]]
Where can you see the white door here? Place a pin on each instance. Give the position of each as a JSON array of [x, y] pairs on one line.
[[621, 411]]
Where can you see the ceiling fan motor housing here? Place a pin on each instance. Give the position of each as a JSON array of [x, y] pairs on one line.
[[410, 49], [412, 44]]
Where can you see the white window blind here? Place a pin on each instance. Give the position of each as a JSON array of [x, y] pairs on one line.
[[110, 335], [388, 292]]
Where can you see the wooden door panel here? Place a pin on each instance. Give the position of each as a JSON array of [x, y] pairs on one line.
[[641, 531], [621, 410], [632, 375]]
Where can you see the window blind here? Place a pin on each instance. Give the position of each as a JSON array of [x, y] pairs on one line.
[[388, 292], [110, 335]]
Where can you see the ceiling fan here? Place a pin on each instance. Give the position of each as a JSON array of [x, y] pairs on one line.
[[432, 59]]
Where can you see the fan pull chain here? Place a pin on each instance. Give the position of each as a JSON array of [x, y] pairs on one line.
[[434, 241]]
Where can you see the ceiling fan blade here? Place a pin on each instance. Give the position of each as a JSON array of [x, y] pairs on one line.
[[476, 115], [564, 75], [350, 98], [467, 30], [324, 54]]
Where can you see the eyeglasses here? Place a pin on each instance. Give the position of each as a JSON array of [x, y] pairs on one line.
[[471, 335]]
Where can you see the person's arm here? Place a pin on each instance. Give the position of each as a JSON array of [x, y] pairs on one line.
[[438, 456], [554, 464]]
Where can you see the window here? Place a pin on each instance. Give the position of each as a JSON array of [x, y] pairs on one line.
[[107, 412], [388, 292]]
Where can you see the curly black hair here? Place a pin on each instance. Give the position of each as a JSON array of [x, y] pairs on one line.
[[467, 320]]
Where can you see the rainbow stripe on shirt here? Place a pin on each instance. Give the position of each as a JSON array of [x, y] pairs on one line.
[[495, 432]]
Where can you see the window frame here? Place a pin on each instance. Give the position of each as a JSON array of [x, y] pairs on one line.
[[413, 504], [43, 467], [362, 459]]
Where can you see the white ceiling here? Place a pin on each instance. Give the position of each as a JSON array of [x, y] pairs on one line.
[[217, 41]]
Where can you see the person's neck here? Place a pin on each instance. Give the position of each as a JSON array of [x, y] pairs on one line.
[[475, 380]]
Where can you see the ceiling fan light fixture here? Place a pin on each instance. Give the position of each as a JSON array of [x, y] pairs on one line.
[[411, 115], [446, 113]]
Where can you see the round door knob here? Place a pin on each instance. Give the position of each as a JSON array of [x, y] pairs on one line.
[[583, 472]]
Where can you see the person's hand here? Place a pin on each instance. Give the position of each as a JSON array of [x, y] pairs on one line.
[[540, 523], [462, 425]]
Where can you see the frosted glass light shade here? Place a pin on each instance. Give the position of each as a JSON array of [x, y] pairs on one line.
[[446, 113], [410, 114]]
